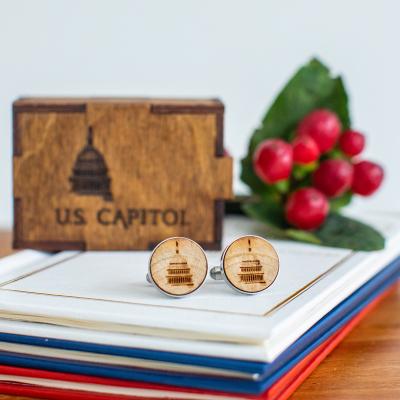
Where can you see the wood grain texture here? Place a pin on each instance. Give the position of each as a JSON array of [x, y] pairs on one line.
[[178, 266], [5, 244], [149, 169], [365, 366], [251, 264]]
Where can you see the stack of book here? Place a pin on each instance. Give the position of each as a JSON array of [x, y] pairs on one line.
[[87, 325]]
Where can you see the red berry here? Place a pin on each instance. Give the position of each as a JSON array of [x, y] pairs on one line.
[[323, 126], [368, 176], [352, 143], [273, 160], [306, 208], [305, 150], [333, 177]]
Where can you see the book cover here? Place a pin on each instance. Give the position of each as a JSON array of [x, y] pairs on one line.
[[53, 385], [106, 293]]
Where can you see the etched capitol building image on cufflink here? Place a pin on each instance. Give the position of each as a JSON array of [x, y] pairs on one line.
[[249, 265], [177, 267]]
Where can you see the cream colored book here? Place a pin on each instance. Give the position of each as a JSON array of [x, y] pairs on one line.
[[103, 297]]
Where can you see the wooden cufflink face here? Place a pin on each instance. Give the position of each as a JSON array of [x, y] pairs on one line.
[[178, 266], [249, 264]]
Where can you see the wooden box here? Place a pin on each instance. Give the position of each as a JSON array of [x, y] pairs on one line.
[[118, 174]]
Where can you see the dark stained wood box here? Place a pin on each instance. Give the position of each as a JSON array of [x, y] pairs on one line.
[[118, 174]]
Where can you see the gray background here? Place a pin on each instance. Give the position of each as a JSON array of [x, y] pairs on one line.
[[240, 51]]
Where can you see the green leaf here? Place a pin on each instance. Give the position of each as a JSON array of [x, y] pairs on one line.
[[311, 87], [338, 102], [339, 202], [343, 232], [271, 214], [337, 231], [302, 236], [340, 231]]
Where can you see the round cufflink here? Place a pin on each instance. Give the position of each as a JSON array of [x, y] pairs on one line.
[[177, 267], [249, 265]]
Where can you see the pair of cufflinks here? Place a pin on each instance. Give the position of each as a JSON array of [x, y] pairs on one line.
[[178, 266]]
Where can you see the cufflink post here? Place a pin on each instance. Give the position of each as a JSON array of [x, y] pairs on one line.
[[216, 273]]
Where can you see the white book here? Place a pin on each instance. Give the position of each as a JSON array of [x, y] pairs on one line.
[[103, 297]]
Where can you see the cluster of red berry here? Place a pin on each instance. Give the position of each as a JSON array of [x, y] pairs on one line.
[[332, 154]]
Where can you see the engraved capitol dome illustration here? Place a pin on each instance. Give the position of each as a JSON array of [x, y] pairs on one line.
[[179, 271], [90, 172]]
